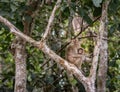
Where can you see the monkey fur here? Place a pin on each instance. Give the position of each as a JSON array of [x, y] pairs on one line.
[[75, 54]]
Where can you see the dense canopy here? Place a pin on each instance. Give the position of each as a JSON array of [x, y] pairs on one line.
[[35, 35]]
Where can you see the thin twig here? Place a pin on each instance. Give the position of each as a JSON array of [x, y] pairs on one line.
[[42, 46], [66, 44], [86, 27], [77, 35]]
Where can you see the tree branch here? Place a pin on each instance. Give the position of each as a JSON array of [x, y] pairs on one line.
[[66, 44], [48, 28], [42, 46], [99, 40], [17, 32]]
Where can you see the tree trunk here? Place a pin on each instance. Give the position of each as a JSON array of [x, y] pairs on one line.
[[90, 88], [20, 65], [20, 54], [88, 82], [102, 70], [89, 85]]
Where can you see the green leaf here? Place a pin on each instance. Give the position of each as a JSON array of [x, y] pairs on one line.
[[4, 1], [113, 28], [13, 7], [114, 6], [81, 12], [66, 13], [84, 15], [97, 2], [73, 6], [97, 11], [1, 32]]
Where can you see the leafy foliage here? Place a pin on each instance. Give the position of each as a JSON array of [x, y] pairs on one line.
[[50, 75], [97, 2]]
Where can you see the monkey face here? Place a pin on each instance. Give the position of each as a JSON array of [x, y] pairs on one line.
[[80, 51]]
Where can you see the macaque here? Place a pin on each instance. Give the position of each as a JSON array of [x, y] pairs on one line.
[[76, 54]]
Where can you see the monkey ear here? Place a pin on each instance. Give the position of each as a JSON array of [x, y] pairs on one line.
[[80, 50]]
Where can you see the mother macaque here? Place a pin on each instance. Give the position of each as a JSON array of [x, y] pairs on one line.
[[75, 54]]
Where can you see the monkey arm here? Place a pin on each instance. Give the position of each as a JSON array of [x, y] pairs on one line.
[[88, 59], [83, 57], [76, 56]]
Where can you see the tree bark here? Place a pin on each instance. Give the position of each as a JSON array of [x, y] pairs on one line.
[[20, 65], [88, 82], [20, 45], [102, 70]]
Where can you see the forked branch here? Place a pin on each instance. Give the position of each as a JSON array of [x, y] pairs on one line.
[[42, 46]]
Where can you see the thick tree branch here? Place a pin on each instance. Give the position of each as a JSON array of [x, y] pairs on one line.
[[103, 63], [99, 40], [17, 32], [42, 46], [68, 66], [48, 28]]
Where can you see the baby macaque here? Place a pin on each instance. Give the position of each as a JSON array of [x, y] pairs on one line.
[[75, 54]]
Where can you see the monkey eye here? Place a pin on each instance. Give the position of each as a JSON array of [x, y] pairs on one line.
[[80, 50]]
